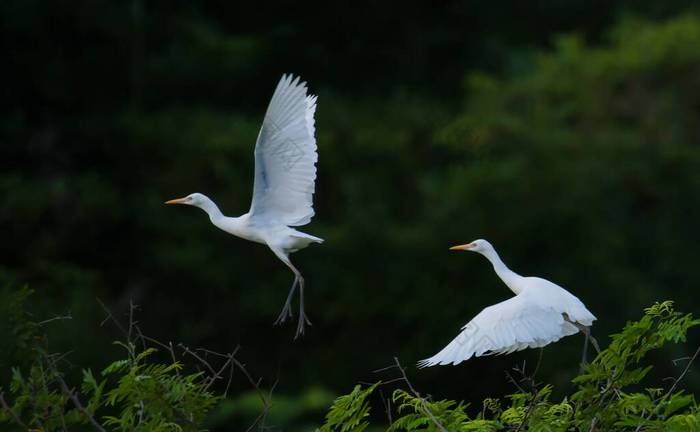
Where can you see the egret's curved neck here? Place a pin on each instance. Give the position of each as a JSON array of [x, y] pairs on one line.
[[212, 210], [508, 276]]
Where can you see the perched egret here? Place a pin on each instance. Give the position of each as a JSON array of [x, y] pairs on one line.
[[540, 313], [285, 171]]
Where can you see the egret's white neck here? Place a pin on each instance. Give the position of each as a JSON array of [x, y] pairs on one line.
[[208, 206], [508, 276]]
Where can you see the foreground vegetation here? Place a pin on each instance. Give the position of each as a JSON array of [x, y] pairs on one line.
[[610, 394], [145, 391]]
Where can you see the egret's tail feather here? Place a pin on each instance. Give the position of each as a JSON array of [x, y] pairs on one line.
[[305, 236]]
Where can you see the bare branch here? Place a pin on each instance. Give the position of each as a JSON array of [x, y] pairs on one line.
[[387, 407], [423, 402], [593, 423], [132, 323], [7, 408], [685, 371], [195, 355], [514, 382], [79, 405], [57, 318], [111, 317], [670, 390]]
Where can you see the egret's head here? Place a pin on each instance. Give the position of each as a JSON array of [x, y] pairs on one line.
[[479, 246], [196, 199]]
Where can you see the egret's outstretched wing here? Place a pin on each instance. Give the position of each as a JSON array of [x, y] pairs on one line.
[[512, 325], [285, 156]]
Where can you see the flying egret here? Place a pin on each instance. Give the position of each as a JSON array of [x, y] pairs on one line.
[[285, 171], [540, 313]]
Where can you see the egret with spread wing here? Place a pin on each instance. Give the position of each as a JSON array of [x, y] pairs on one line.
[[540, 313], [285, 172]]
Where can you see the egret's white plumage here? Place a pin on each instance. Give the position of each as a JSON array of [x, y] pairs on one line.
[[285, 174], [285, 157], [540, 313]]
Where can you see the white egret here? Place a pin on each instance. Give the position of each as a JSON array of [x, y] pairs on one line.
[[285, 172], [540, 313]]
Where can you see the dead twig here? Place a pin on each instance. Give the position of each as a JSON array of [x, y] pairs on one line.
[[424, 403], [670, 391], [531, 380], [57, 318], [682, 375], [10, 411], [231, 361], [79, 405], [111, 317], [387, 406]]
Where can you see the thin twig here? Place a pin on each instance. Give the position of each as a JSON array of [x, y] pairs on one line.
[[530, 407], [260, 419], [7, 408], [198, 357], [79, 405], [111, 317], [132, 307], [383, 382], [593, 422], [63, 420], [387, 406], [670, 390], [265, 399], [51, 364], [141, 337], [685, 371], [57, 318], [230, 378], [218, 374], [423, 402], [384, 369], [532, 381], [514, 382]]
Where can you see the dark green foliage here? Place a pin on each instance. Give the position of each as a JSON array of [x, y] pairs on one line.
[[349, 413], [608, 395], [145, 395], [609, 391], [154, 397], [16, 327], [134, 394], [140, 394]]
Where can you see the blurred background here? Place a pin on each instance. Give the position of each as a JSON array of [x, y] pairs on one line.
[[566, 133]]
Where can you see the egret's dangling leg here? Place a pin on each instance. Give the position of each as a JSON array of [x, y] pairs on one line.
[[584, 356], [286, 310], [587, 333], [303, 319]]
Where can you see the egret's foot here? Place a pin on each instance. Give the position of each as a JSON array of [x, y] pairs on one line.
[[303, 319], [287, 309], [301, 325], [285, 314]]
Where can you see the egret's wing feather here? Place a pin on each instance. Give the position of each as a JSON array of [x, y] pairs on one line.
[[512, 325], [285, 156]]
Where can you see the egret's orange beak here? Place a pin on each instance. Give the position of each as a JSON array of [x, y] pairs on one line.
[[462, 247], [177, 201]]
